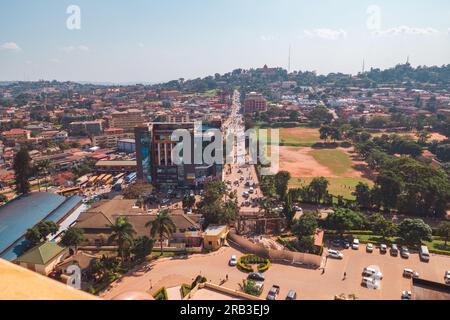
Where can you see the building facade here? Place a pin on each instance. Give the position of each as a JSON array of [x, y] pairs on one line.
[[154, 145], [255, 102], [127, 120]]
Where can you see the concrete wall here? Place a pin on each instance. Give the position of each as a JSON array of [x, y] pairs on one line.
[[279, 256]]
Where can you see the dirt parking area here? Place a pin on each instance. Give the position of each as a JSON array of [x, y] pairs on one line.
[[309, 284]]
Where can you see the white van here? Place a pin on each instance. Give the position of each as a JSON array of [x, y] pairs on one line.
[[424, 254]]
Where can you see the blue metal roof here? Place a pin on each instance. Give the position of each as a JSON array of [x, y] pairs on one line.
[[25, 212]]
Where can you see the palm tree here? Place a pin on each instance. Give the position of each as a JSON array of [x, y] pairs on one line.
[[44, 167], [162, 226], [73, 237], [122, 233]]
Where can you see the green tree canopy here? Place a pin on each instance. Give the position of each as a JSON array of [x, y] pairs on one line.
[[414, 231]]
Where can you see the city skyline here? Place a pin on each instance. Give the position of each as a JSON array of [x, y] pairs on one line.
[[157, 41]]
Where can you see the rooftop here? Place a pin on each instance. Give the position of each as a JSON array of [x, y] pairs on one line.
[[41, 254], [25, 212]]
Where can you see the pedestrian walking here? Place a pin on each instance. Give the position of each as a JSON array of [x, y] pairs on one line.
[[345, 275]]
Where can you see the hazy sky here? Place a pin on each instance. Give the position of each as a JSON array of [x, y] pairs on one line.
[[159, 40]]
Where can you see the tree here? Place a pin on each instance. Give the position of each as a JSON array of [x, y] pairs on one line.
[[73, 237], [162, 226], [443, 152], [217, 206], [344, 219], [188, 201], [414, 231], [390, 185], [137, 190], [318, 189], [43, 168], [23, 171], [423, 137], [122, 233], [381, 226], [3, 198], [40, 232], [305, 244], [142, 247], [306, 225], [281, 183], [362, 194], [33, 236], [320, 115], [444, 231], [325, 132]]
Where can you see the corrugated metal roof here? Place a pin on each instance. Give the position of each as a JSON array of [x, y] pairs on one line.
[[25, 212]]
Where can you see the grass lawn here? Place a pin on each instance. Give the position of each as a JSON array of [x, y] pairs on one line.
[[336, 160], [436, 244], [157, 254], [342, 186], [297, 137], [209, 93]]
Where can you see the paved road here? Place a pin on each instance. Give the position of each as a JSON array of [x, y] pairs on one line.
[[239, 168]]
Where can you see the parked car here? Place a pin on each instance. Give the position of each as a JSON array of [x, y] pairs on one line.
[[233, 261], [256, 276], [406, 295], [369, 282], [335, 254], [404, 252], [355, 244], [447, 277], [369, 247], [336, 242], [424, 254], [409, 273], [394, 250], [371, 272], [273, 292], [346, 244], [383, 248], [291, 295]]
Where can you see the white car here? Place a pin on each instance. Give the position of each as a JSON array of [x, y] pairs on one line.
[[409, 273], [406, 295], [369, 247], [447, 277], [355, 244], [233, 261], [371, 272], [370, 282], [335, 254]]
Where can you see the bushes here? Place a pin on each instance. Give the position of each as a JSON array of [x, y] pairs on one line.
[[438, 251], [250, 287], [185, 289], [198, 280], [245, 261], [264, 266], [161, 294]]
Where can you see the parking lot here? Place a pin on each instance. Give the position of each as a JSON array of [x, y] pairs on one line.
[[309, 284]]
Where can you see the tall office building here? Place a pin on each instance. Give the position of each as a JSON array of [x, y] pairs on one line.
[[127, 120], [154, 145]]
